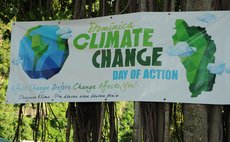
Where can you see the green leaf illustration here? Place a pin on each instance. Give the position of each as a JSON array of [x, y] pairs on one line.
[[199, 77]]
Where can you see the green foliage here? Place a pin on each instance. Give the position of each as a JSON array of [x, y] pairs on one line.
[[61, 9], [199, 77], [8, 10], [4, 54], [41, 10], [56, 122], [7, 121], [8, 113], [125, 114], [52, 124], [124, 122], [26, 131]]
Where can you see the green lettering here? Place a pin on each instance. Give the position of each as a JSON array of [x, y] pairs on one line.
[[126, 40], [130, 25], [148, 33], [136, 33], [93, 27], [118, 60], [155, 55], [106, 58], [94, 59], [145, 62], [130, 57], [92, 41], [124, 26], [76, 41], [102, 40], [112, 39]]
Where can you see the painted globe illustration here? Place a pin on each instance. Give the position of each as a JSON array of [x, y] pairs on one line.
[[43, 51]]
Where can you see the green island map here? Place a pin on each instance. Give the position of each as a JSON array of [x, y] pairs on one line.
[[199, 77]]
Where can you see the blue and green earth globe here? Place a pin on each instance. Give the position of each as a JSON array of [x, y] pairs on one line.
[[43, 51]]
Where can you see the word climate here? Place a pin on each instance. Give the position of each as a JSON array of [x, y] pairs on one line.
[[119, 45]]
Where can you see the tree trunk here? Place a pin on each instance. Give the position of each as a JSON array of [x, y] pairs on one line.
[[142, 5], [225, 5], [68, 127], [196, 5], [160, 122], [100, 124], [172, 5], [137, 108], [167, 109], [150, 5], [195, 116], [155, 125], [85, 118], [165, 5], [168, 5], [215, 124], [102, 7], [215, 130], [117, 7], [195, 123], [137, 123], [76, 13], [227, 123], [112, 122]]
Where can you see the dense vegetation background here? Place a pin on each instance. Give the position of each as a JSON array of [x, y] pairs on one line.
[[123, 121]]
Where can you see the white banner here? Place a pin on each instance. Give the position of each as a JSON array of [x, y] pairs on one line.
[[148, 56]]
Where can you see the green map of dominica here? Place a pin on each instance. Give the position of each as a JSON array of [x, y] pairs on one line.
[[199, 77]]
